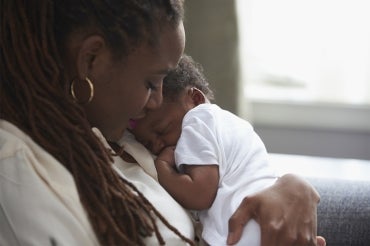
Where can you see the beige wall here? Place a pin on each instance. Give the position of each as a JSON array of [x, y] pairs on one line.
[[211, 39]]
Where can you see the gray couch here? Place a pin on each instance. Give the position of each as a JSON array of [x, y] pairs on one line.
[[344, 187], [344, 211]]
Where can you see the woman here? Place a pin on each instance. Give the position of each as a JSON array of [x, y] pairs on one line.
[[68, 66]]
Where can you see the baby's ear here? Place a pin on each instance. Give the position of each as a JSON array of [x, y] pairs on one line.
[[197, 96]]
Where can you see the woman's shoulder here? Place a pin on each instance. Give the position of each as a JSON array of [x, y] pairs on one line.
[[14, 143], [12, 140], [37, 189]]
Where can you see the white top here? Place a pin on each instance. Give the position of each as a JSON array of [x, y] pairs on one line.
[[39, 202], [211, 135]]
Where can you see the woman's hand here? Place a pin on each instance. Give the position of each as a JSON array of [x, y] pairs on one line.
[[285, 211]]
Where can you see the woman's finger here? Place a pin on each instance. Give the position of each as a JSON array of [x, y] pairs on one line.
[[321, 241], [239, 219]]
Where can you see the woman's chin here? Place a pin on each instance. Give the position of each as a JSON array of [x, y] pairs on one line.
[[114, 136]]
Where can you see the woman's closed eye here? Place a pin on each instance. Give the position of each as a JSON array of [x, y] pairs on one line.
[[151, 86], [154, 83]]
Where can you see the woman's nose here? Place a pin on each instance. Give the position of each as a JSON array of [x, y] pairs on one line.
[[155, 99]]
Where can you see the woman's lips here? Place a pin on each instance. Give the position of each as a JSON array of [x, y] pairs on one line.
[[132, 123]]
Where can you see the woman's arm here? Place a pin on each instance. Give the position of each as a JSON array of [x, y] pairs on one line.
[[196, 188], [285, 211]]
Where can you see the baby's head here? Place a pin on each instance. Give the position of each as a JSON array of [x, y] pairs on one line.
[[183, 89], [187, 74]]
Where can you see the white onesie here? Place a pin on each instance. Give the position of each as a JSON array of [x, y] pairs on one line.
[[211, 135]]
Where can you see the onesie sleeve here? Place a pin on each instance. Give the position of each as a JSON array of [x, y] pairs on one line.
[[198, 141]]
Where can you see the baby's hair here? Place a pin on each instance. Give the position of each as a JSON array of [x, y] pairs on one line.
[[187, 73], [34, 95]]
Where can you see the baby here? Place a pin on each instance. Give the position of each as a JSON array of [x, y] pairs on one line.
[[208, 159]]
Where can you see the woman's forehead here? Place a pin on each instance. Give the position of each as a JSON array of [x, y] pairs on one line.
[[161, 58]]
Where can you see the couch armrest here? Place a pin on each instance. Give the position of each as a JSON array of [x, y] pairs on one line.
[[343, 214], [344, 211]]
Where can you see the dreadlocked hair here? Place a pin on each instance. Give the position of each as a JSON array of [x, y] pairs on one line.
[[187, 73], [34, 95]]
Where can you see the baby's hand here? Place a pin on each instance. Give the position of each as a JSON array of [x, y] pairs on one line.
[[167, 155]]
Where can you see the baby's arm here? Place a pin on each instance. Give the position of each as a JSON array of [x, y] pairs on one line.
[[195, 189]]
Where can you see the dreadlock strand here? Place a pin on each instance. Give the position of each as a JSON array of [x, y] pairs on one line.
[[129, 199], [158, 214], [24, 47], [132, 204], [52, 68], [16, 61], [51, 57]]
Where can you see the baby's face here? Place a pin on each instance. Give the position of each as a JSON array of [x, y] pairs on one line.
[[161, 128]]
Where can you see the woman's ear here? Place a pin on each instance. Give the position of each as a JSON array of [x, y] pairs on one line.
[[90, 49], [197, 96]]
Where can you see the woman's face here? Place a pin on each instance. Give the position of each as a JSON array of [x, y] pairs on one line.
[[125, 90]]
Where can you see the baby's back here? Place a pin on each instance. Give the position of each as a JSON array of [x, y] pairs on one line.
[[244, 169]]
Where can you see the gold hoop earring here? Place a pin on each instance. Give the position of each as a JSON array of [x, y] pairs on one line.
[[91, 86]]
